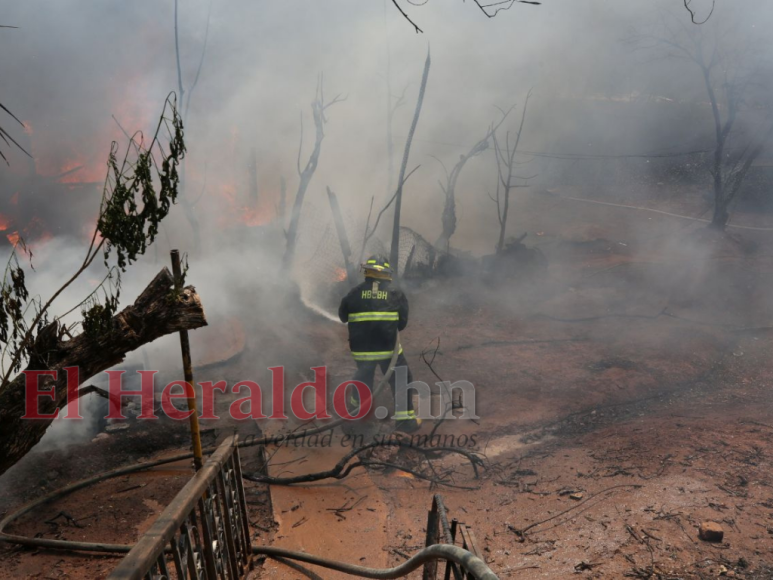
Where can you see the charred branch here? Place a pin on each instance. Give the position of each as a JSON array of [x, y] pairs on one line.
[[395, 250], [6, 137], [343, 239], [692, 13], [369, 232], [345, 466], [155, 313], [490, 9]]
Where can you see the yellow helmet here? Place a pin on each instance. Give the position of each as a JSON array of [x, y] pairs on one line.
[[377, 267]]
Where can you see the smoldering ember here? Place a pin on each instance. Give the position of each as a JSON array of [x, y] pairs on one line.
[[438, 289]]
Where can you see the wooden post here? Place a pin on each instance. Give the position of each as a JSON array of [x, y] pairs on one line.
[[185, 347]]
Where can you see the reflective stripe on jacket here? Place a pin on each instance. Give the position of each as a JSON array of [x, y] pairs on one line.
[[374, 319]]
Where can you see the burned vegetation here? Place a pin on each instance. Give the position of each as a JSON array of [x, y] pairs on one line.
[[546, 239]]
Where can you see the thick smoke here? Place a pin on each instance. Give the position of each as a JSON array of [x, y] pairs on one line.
[[72, 65]]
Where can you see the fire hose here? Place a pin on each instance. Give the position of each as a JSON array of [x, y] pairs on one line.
[[98, 547], [474, 565]]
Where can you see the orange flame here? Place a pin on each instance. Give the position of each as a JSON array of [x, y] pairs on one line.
[[254, 217], [5, 222], [249, 216], [35, 233], [340, 274]]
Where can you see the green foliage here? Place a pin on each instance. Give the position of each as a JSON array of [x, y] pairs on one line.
[[13, 297], [139, 193], [98, 320], [15, 302], [98, 315]]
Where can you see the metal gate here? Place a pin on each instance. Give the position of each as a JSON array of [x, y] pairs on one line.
[[439, 531], [203, 534]]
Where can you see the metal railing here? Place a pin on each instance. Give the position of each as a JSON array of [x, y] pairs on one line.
[[203, 534], [440, 531]]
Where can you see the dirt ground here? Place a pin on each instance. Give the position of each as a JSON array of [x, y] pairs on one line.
[[623, 400]]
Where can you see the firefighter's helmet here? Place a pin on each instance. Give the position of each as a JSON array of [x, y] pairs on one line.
[[377, 267]]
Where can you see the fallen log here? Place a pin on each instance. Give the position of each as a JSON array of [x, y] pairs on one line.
[[155, 313]]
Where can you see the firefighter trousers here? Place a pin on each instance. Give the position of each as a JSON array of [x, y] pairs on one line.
[[366, 372]]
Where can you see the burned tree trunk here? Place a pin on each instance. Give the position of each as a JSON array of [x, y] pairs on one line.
[[394, 254], [343, 239], [318, 108], [155, 313], [448, 217]]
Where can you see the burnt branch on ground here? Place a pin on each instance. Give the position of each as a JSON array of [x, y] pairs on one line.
[[345, 466], [449, 405], [521, 532]]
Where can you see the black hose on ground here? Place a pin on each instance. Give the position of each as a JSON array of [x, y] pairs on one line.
[[474, 565], [122, 548]]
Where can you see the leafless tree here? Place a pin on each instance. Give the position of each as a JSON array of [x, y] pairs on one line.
[[448, 187], [507, 180], [343, 238], [736, 79], [394, 253], [370, 231], [318, 108]]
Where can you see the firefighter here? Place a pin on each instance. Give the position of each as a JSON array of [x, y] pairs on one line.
[[374, 311]]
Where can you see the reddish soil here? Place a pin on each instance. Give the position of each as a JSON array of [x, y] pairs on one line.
[[636, 380]]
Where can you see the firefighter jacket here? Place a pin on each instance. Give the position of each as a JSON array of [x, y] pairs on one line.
[[374, 319]]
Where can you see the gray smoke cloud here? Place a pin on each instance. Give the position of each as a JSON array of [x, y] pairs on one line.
[[73, 64]]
